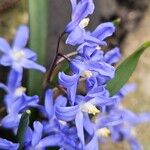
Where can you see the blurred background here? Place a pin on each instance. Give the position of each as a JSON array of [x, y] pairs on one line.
[[133, 30]]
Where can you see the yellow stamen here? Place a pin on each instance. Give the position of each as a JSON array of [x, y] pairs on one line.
[[28, 111], [89, 108], [19, 91], [84, 23], [104, 132], [18, 55], [87, 74]]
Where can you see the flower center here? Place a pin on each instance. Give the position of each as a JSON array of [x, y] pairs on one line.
[[87, 74], [19, 91], [89, 108], [84, 23], [18, 55], [103, 132]]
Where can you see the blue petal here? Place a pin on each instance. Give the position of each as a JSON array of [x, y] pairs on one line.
[[79, 126], [49, 103], [61, 101], [4, 87], [89, 52], [91, 83], [111, 120], [69, 82], [30, 101], [14, 80], [30, 54], [104, 30], [32, 65], [80, 11], [127, 89], [7, 145], [83, 9], [78, 65], [52, 140], [94, 40], [102, 68], [10, 121], [4, 46], [134, 144], [103, 101], [144, 117], [5, 60], [24, 102], [98, 91], [88, 124], [18, 67], [76, 36], [28, 135], [21, 37], [93, 144], [66, 113], [112, 56], [91, 6], [37, 134], [73, 3]]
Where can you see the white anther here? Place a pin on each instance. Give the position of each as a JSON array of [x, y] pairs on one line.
[[87, 74], [103, 132], [98, 47], [84, 23], [19, 91], [89, 108]]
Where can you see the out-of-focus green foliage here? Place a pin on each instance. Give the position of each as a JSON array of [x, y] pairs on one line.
[[38, 21], [24, 122], [125, 70]]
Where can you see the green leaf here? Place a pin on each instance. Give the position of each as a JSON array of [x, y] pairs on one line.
[[125, 70], [38, 21], [24, 122]]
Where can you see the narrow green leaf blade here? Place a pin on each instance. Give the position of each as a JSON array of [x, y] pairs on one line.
[[38, 21], [125, 70], [24, 122]]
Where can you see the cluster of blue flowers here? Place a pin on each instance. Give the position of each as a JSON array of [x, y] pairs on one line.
[[75, 120]]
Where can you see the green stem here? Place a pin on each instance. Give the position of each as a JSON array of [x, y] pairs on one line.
[[38, 14]]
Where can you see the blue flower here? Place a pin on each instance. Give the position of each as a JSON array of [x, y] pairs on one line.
[[63, 137], [92, 68], [125, 131], [17, 56], [79, 11], [58, 132], [7, 145], [102, 130], [76, 28], [95, 38], [90, 104], [13, 88], [119, 133], [16, 100], [90, 52], [18, 106]]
